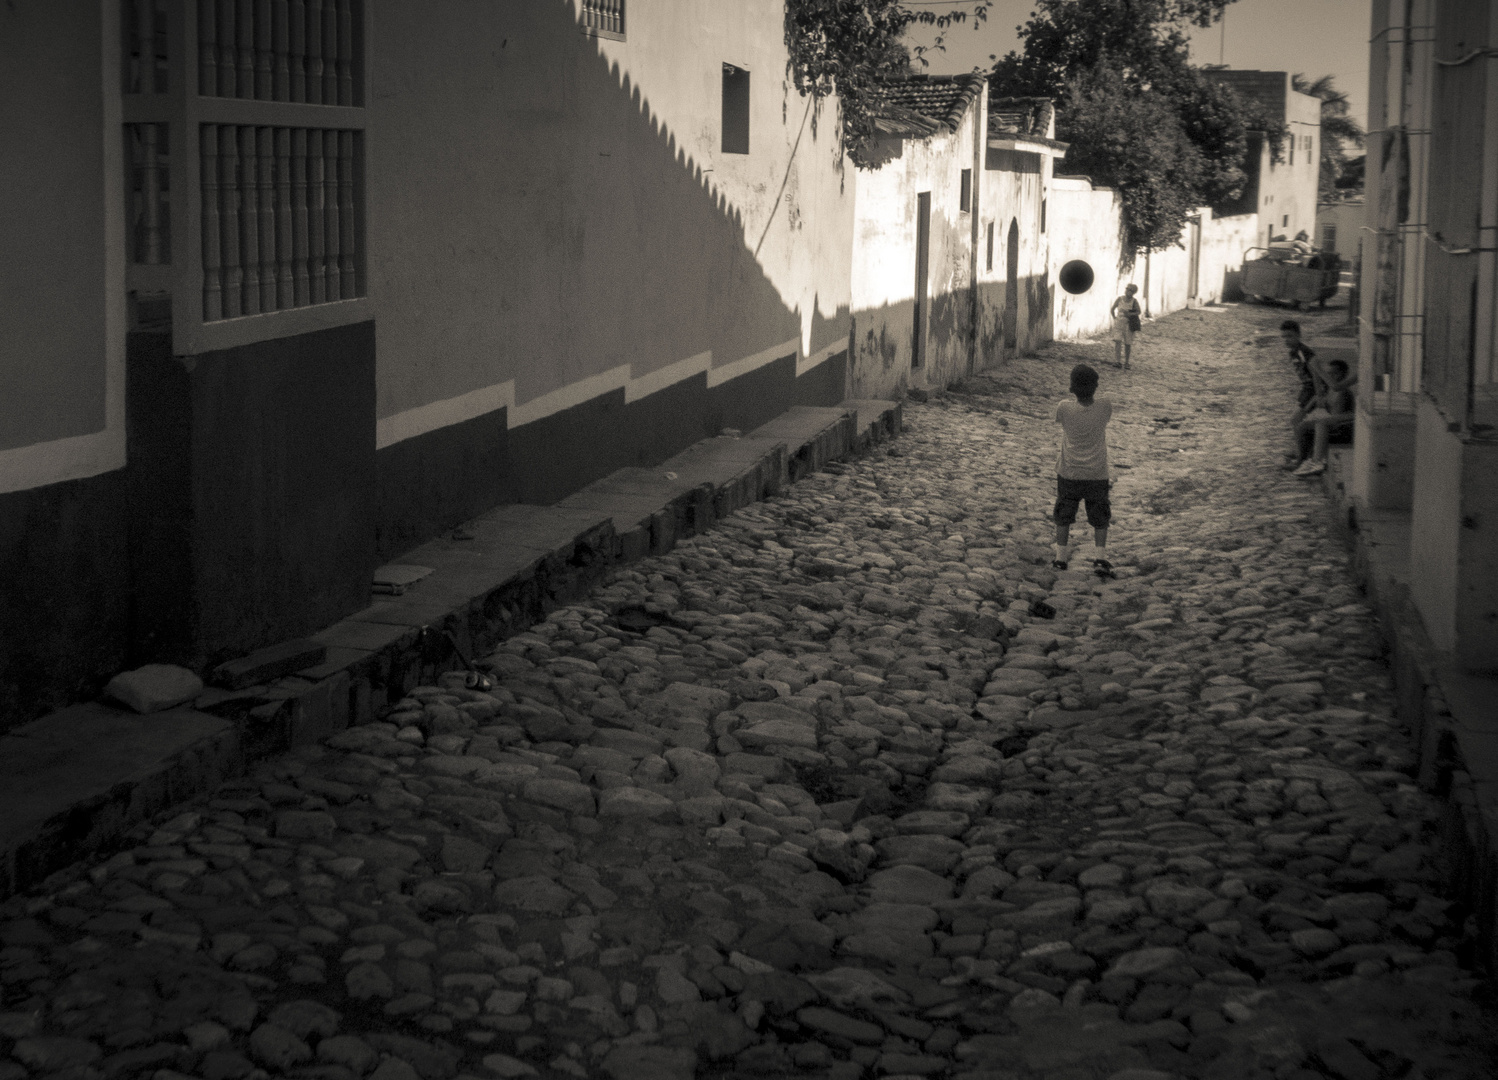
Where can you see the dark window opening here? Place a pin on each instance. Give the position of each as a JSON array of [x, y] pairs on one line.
[[990, 245], [735, 110], [1042, 214], [965, 199]]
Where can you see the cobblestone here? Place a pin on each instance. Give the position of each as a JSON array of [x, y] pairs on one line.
[[853, 785]]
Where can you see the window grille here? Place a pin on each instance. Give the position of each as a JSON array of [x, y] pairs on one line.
[[735, 110], [604, 18], [244, 128], [304, 51], [965, 196]]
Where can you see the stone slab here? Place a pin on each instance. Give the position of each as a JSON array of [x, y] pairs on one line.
[[75, 780], [269, 663]]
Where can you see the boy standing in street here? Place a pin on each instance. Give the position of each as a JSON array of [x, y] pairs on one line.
[[1082, 468]]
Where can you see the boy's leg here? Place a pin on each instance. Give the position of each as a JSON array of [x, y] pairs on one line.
[[1100, 516], [1319, 443], [1064, 514]]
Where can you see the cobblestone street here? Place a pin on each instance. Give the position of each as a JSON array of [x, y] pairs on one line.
[[818, 795]]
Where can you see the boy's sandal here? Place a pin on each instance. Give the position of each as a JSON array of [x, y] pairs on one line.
[[1103, 568], [1058, 564]]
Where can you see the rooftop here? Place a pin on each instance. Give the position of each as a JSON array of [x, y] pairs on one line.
[[919, 106]]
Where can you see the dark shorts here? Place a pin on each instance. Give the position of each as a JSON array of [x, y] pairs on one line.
[[1093, 492]]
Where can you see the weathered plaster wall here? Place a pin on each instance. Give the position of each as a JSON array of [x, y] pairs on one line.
[[1434, 529], [1082, 222], [883, 275], [1347, 219], [1014, 187], [552, 219], [1287, 191]]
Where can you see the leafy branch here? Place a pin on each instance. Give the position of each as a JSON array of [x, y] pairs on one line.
[[850, 47]]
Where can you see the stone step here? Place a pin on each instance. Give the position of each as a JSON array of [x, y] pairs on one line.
[[76, 779]]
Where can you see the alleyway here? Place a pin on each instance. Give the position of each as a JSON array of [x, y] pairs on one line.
[[816, 795]]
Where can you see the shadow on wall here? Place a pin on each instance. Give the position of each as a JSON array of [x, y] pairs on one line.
[[1033, 315], [611, 246], [884, 341]]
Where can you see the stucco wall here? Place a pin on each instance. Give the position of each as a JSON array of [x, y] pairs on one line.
[[1287, 191], [1347, 218], [883, 275], [1015, 184], [61, 402], [551, 218], [1083, 224], [1433, 524]]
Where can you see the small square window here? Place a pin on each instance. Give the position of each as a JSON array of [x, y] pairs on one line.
[[735, 110], [965, 198]]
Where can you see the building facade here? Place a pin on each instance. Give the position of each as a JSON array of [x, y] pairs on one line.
[[1427, 424], [1282, 193], [315, 280]]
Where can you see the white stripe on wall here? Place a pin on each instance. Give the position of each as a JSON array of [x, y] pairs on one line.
[[455, 410]]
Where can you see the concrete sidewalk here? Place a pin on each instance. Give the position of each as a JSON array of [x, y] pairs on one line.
[[1452, 716], [75, 781]]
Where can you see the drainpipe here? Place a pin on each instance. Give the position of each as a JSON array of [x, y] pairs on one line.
[[975, 203], [1147, 277]]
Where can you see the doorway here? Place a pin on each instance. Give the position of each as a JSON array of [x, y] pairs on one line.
[[922, 279], [1011, 290]]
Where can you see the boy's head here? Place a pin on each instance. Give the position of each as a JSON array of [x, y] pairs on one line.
[[1290, 332], [1083, 382], [1338, 369], [1129, 290]]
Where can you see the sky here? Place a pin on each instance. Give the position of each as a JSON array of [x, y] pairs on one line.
[[1316, 37]]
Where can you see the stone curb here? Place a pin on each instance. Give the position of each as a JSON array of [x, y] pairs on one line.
[[515, 565], [1450, 716]]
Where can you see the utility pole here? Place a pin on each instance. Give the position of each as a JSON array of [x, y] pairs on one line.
[[1222, 42]]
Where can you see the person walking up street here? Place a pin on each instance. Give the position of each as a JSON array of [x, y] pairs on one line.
[[1082, 468], [1125, 312]]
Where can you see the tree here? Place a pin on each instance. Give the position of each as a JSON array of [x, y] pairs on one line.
[[1123, 66], [849, 47], [1135, 143], [1338, 129]]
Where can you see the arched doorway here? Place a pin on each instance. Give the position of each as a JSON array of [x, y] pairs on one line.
[[1011, 289]]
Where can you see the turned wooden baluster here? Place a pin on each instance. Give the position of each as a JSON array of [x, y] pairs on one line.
[[285, 290], [314, 52], [152, 238], [213, 300], [265, 168], [330, 52], [249, 221], [264, 38], [245, 37], [226, 50], [281, 44], [345, 53], [317, 269], [145, 34], [207, 47], [301, 252], [332, 236], [346, 220], [228, 178], [296, 26]]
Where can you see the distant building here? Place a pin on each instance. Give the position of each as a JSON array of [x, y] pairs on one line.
[[1282, 193], [1339, 228]]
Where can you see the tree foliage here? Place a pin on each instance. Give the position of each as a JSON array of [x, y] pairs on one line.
[[1338, 130], [1139, 117], [849, 47]]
